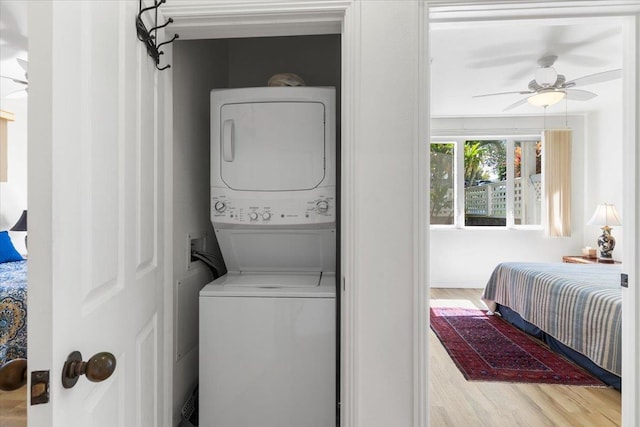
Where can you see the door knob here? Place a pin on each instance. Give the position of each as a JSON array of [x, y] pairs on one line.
[[13, 374], [98, 368]]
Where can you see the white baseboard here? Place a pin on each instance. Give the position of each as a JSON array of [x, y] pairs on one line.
[[461, 285]]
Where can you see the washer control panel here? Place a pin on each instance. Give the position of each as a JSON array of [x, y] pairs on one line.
[[316, 206]]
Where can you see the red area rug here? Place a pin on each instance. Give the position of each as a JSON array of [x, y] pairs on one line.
[[488, 348]]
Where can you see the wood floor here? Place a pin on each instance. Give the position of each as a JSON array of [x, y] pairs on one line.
[[457, 402], [13, 408]]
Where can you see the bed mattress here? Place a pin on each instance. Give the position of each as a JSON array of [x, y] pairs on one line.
[[578, 305]]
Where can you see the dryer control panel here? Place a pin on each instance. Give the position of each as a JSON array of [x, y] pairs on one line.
[[317, 206]]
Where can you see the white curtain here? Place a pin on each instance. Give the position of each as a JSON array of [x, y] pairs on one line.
[[556, 173]]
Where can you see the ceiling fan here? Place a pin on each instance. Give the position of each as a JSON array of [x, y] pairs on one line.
[[20, 92], [548, 87]]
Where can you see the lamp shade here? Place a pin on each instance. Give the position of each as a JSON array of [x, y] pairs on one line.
[[21, 225], [605, 214]]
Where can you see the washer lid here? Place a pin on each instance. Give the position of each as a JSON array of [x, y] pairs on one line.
[[272, 146], [269, 285], [274, 280]]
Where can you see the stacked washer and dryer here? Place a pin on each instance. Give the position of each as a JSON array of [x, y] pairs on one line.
[[268, 327]]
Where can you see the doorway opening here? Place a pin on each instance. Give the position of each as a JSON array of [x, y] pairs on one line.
[[484, 62], [198, 66]]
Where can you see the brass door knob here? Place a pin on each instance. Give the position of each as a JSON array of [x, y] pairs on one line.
[[96, 369], [13, 374]]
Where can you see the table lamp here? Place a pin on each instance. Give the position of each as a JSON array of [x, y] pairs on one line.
[[21, 225], [606, 216]]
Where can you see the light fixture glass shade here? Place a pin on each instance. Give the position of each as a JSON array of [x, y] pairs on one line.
[[605, 214], [21, 225], [544, 99]]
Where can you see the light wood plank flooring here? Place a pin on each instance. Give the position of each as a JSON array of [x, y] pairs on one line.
[[13, 408], [457, 402]]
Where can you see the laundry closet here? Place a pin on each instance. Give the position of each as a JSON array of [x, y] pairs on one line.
[[199, 66]]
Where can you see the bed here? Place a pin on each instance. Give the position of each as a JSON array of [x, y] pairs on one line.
[[13, 311], [13, 315], [576, 309]]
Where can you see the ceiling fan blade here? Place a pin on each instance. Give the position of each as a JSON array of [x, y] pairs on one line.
[[498, 61], [503, 93], [579, 95], [604, 76], [22, 82], [21, 93], [516, 104], [520, 73], [24, 64]]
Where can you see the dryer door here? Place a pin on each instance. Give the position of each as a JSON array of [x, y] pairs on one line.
[[272, 146]]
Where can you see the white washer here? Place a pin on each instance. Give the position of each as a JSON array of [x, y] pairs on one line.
[[268, 354], [267, 328]]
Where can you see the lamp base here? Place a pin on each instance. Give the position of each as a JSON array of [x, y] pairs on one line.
[[606, 243]]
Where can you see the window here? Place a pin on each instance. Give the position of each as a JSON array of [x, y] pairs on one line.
[[485, 178], [527, 191], [486, 182]]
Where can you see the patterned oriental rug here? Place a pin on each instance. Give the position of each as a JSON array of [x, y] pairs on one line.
[[488, 348]]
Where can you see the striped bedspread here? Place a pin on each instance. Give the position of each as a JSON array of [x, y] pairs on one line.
[[579, 305]]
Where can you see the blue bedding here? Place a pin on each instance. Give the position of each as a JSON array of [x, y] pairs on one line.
[[578, 305], [13, 311]]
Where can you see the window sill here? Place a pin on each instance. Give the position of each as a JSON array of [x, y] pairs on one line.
[[485, 228]]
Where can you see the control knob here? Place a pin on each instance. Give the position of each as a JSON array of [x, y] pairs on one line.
[[322, 206], [253, 216], [220, 206], [266, 215]]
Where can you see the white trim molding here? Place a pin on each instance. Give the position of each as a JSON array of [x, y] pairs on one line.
[[631, 218], [349, 351], [421, 226], [227, 19], [472, 11], [195, 19]]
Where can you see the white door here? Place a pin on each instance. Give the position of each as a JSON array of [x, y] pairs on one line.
[[95, 206]]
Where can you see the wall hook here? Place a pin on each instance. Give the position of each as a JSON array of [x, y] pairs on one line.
[[146, 36]]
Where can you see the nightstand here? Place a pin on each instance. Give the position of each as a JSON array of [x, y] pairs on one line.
[[577, 259]]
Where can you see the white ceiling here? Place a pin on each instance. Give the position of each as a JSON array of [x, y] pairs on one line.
[[13, 43], [481, 58]]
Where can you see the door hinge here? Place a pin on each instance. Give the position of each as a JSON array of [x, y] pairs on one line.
[[624, 280]]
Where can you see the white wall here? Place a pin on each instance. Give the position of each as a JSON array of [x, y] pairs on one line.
[[198, 67], [603, 171], [13, 193], [465, 258]]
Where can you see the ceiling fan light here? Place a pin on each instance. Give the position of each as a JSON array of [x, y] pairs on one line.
[[544, 99]]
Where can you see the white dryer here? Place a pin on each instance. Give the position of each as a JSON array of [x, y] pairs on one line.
[[267, 328]]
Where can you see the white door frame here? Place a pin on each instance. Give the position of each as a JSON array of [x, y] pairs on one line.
[[465, 13], [198, 20], [195, 20]]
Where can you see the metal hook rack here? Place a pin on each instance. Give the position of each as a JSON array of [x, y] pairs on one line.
[[148, 37]]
